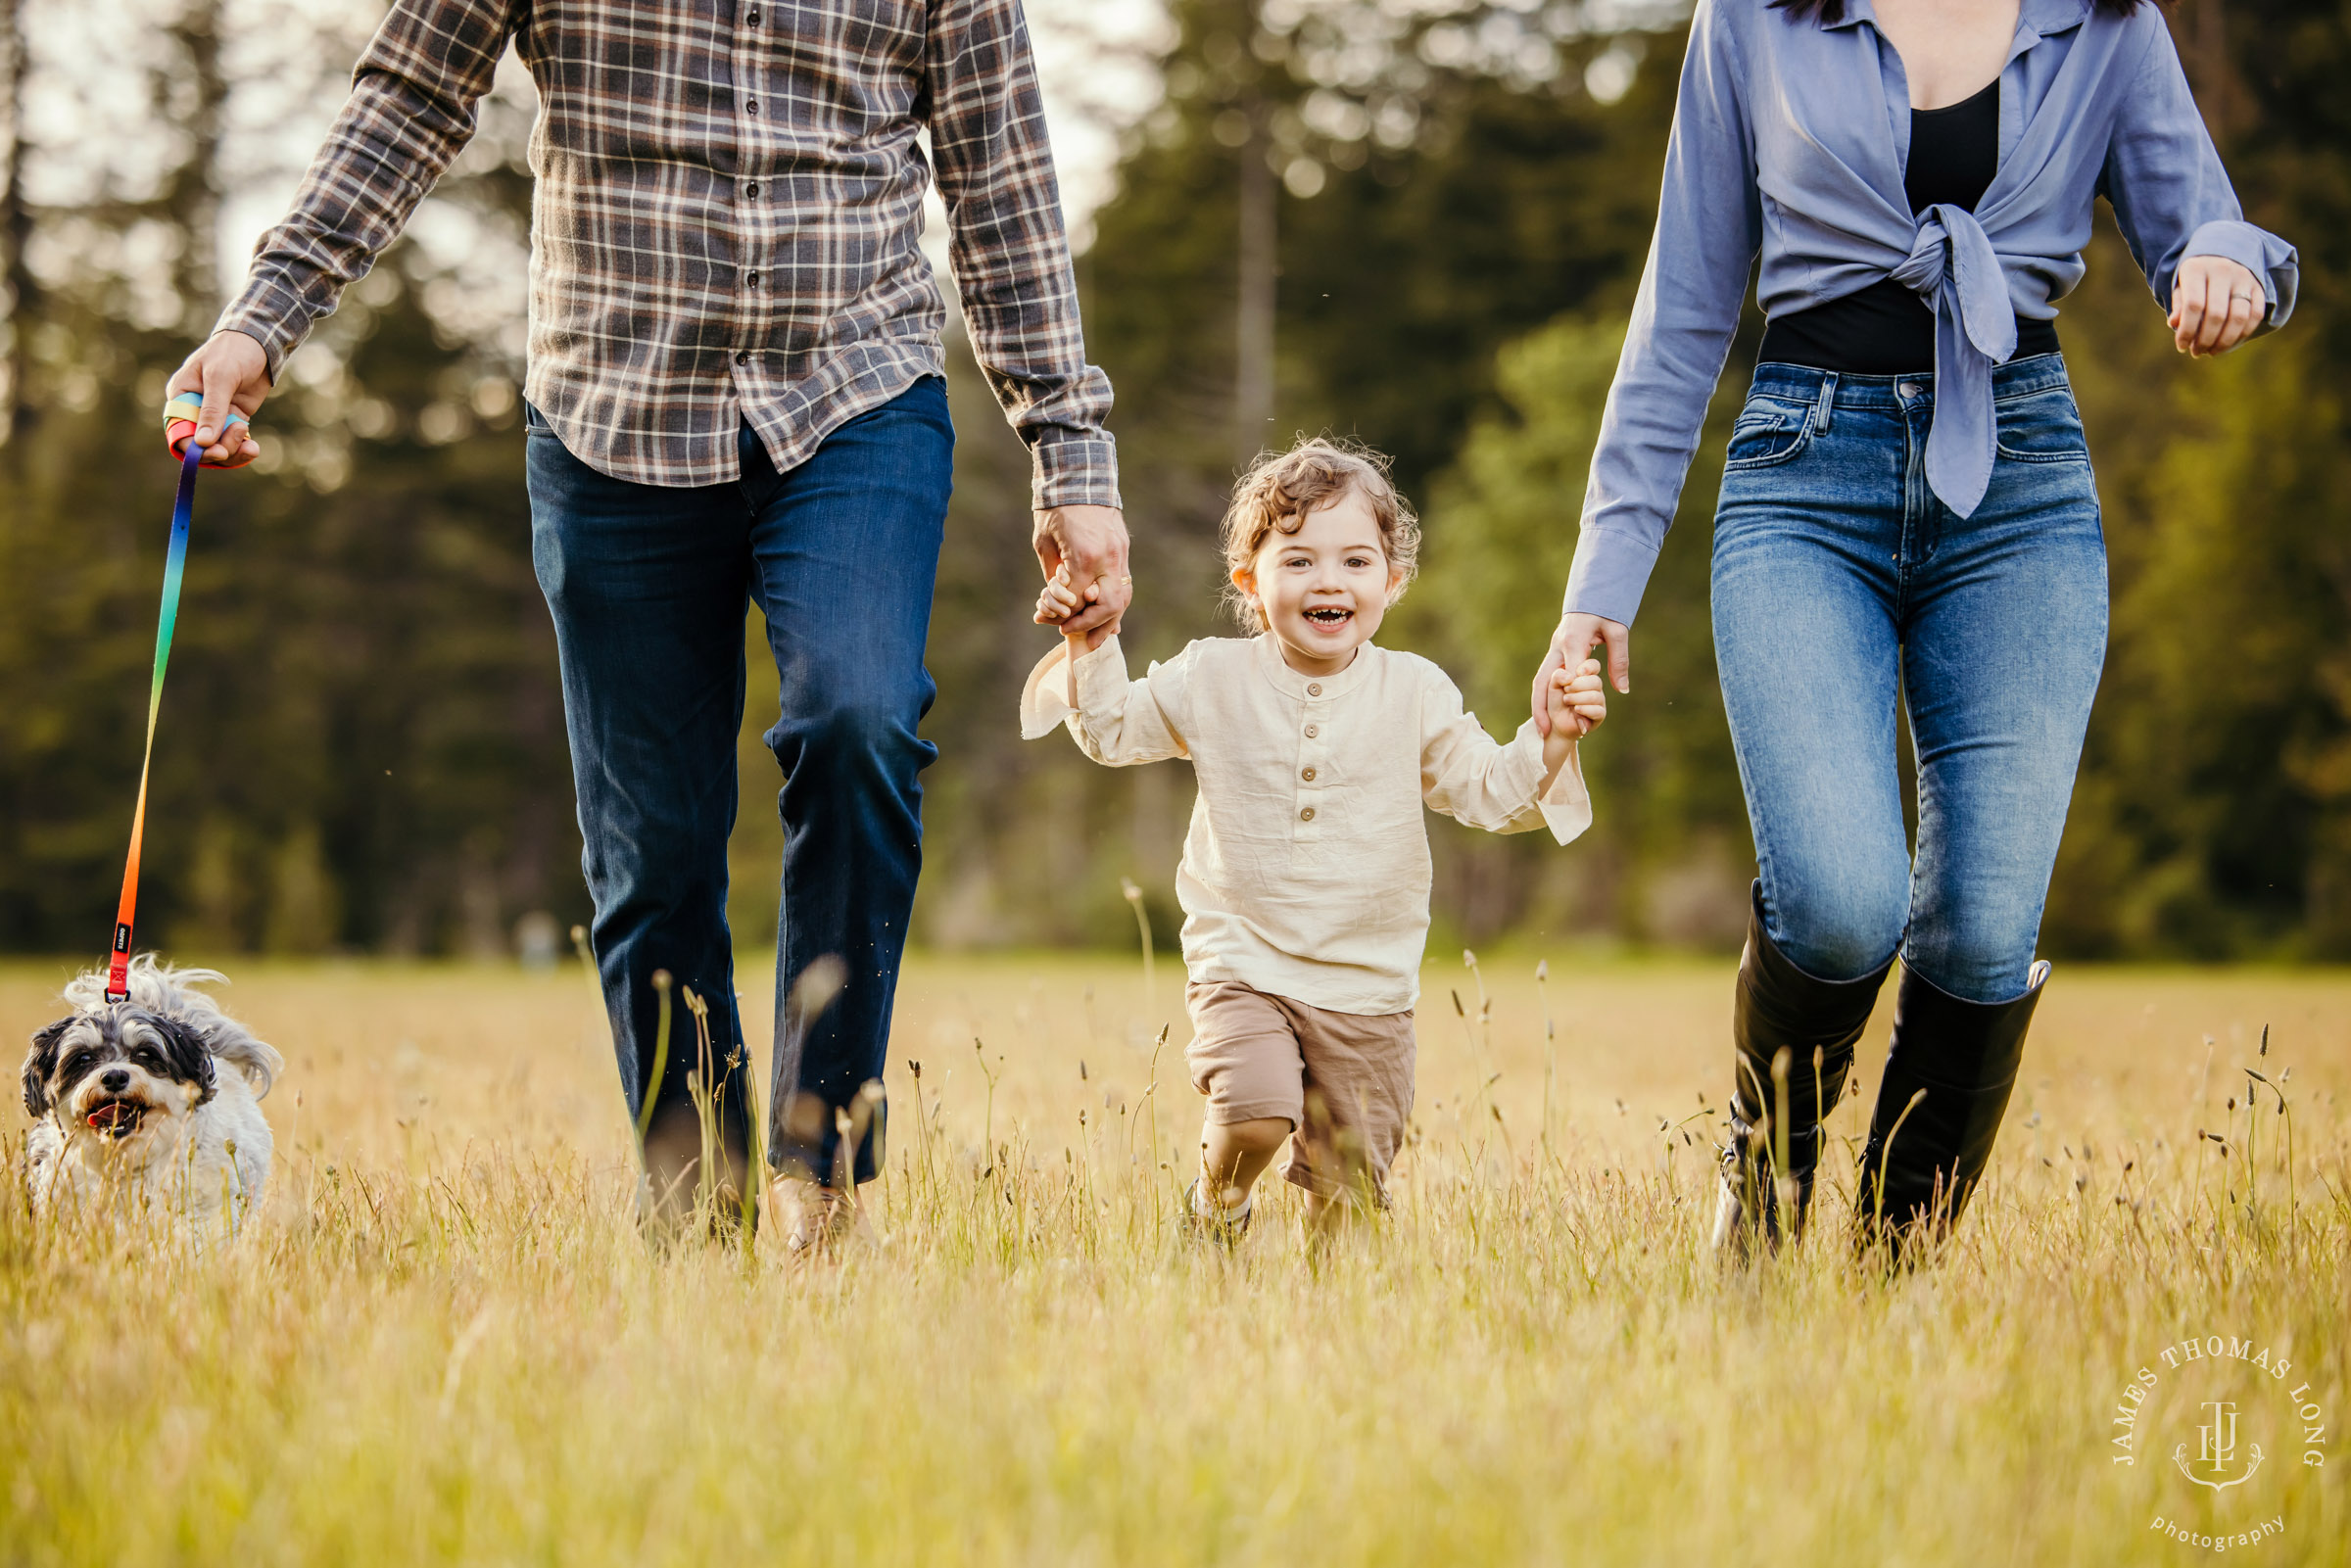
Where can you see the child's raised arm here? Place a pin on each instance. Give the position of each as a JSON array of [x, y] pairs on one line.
[[1114, 721], [1466, 774]]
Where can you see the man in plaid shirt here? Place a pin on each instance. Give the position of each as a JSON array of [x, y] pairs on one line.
[[735, 393]]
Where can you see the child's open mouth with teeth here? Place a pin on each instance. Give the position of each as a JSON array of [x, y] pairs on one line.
[[1321, 582]]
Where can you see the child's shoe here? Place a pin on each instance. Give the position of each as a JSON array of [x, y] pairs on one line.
[[1205, 1221]]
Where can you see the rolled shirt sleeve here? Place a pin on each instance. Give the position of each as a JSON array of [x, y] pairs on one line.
[[409, 114], [1709, 227], [725, 221], [1010, 251], [1841, 217], [2171, 196]]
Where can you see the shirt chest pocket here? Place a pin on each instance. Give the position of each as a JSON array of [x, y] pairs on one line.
[[865, 32], [853, 61]]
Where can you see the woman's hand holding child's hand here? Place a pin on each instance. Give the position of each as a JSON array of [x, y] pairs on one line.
[[1575, 703]]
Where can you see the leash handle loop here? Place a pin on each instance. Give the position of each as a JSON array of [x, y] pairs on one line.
[[176, 560], [179, 427]]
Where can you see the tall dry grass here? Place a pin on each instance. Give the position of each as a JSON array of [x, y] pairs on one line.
[[443, 1341]]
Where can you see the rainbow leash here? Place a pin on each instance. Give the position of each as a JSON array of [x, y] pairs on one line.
[[176, 560], [178, 426]]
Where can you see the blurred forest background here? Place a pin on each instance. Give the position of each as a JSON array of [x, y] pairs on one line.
[[1416, 221]]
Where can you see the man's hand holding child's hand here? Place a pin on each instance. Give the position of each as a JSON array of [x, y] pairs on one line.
[[1058, 601], [1575, 703], [1085, 545]]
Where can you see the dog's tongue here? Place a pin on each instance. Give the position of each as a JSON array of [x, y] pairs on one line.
[[110, 1115]]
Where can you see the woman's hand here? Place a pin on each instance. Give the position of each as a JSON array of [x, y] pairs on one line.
[[2216, 304], [1577, 636]]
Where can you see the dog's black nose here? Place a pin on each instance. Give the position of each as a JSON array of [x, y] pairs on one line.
[[114, 1082]]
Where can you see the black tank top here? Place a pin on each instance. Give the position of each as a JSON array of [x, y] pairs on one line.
[[1884, 329]]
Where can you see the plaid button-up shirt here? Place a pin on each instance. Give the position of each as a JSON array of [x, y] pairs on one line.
[[726, 222]]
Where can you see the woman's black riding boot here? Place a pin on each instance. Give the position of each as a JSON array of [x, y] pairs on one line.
[[1794, 1036], [1938, 1108]]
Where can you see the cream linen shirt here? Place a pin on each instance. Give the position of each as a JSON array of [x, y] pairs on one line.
[[1306, 871]]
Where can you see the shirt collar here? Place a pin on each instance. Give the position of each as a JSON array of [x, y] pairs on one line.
[[2036, 19], [1291, 684]]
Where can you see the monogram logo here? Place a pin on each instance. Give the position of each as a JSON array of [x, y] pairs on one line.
[[2247, 1394], [2216, 1450]]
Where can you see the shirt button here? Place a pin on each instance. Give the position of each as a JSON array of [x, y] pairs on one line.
[[743, 356], [754, 18], [1308, 776], [1315, 690], [751, 279], [1313, 731], [1308, 815], [752, 189], [750, 106]]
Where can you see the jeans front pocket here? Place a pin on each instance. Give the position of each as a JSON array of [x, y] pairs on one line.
[[2041, 427], [1768, 433]]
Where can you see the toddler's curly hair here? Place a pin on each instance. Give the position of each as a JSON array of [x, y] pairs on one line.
[[1280, 487]]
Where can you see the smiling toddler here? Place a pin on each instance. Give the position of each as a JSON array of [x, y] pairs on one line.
[[1305, 877]]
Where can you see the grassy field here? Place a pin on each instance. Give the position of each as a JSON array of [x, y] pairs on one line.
[[443, 1342]]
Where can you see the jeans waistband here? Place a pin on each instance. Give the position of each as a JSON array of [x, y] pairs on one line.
[[1801, 383]]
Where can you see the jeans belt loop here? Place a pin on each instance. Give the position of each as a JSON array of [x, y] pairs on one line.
[[1824, 408]]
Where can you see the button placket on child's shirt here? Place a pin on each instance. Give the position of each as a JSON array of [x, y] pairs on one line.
[[1309, 789]]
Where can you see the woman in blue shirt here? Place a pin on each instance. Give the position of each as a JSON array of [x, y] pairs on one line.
[[1907, 506]]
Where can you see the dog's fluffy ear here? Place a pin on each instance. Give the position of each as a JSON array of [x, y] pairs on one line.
[[190, 1056], [258, 1063], [231, 1042], [39, 1063]]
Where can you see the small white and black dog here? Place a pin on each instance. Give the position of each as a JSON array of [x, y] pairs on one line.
[[150, 1105]]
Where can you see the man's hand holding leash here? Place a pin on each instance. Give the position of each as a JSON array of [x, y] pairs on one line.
[[231, 374]]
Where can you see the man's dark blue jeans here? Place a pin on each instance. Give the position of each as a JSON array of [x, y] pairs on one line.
[[648, 585]]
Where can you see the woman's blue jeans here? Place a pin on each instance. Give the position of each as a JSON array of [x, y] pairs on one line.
[[648, 587], [1842, 586]]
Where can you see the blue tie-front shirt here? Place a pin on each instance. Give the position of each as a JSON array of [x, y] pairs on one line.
[[1790, 139]]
